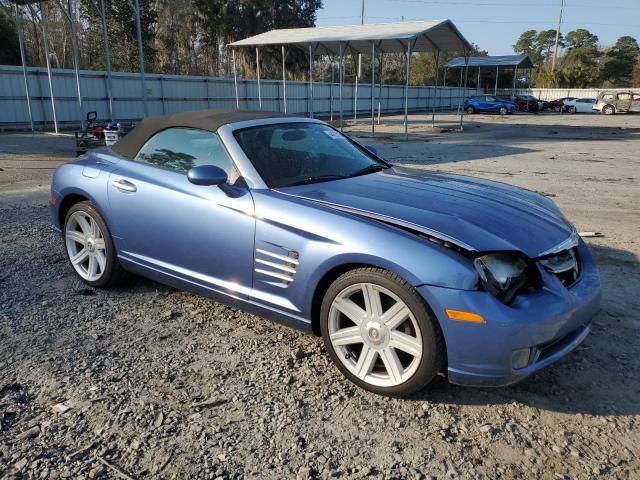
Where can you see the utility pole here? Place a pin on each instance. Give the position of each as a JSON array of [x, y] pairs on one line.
[[555, 53]]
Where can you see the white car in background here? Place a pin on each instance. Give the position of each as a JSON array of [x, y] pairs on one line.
[[579, 105]]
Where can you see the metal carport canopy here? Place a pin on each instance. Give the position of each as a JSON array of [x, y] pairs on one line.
[[520, 61], [428, 35]]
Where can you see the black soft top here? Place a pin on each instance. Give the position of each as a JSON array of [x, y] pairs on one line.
[[210, 120]]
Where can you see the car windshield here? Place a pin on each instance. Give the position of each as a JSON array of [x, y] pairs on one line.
[[288, 154]]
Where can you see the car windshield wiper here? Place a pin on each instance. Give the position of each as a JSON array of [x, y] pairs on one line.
[[318, 179], [369, 169]]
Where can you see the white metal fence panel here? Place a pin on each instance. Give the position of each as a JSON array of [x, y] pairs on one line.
[[555, 93], [175, 93]]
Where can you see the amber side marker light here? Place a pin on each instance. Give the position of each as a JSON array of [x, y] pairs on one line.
[[464, 316]]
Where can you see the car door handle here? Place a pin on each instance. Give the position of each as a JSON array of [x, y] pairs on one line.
[[124, 186]]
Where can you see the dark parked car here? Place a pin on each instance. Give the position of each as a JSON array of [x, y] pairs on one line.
[[526, 103], [558, 105], [403, 272]]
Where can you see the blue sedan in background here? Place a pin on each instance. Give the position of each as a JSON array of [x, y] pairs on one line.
[[404, 273], [488, 103]]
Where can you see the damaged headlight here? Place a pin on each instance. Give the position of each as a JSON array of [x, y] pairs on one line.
[[505, 274]]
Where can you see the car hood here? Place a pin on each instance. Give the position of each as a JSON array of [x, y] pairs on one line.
[[475, 214]]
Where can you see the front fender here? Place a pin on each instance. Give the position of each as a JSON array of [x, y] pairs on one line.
[[323, 239]]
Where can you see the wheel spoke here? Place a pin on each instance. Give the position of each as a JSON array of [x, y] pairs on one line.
[[80, 257], [366, 361], [95, 230], [392, 364], [74, 236], [101, 257], [84, 224], [352, 311], [99, 244], [406, 343], [346, 336], [92, 269], [396, 315], [372, 300]]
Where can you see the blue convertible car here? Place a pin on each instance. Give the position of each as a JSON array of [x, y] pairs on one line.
[[488, 103], [405, 273]]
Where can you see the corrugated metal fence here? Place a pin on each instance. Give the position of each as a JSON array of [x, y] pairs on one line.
[[174, 93]]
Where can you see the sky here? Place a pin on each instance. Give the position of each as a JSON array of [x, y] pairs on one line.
[[495, 25]]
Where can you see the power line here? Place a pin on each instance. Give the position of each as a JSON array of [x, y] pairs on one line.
[[510, 4], [520, 22], [555, 52]]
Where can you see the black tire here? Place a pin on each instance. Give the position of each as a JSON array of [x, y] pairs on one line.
[[572, 109], [608, 110], [433, 347], [557, 109], [471, 110], [503, 110], [113, 273]]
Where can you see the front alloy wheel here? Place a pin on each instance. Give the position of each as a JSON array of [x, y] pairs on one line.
[[608, 110], [89, 246], [380, 333]]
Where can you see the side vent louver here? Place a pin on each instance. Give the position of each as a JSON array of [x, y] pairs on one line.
[[276, 265]]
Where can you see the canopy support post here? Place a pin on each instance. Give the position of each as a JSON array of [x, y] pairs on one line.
[[355, 88], [495, 88], [478, 82], [235, 77], [331, 88], [341, 79], [284, 82], [464, 88], [140, 57], [311, 109], [24, 66], [373, 89], [107, 58], [76, 59], [433, 110], [380, 82], [45, 27], [515, 74], [406, 92], [258, 77]]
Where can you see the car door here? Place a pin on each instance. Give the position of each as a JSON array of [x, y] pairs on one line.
[[164, 223], [623, 103], [635, 103], [490, 103], [586, 105]]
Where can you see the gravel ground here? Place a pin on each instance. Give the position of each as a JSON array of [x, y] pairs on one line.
[[149, 382]]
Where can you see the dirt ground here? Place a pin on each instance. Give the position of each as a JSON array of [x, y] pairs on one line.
[[149, 382]]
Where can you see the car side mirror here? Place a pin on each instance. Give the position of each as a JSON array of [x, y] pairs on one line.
[[207, 175], [373, 150]]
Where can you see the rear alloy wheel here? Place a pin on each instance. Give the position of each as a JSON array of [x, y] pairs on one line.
[[608, 110], [503, 111], [89, 247], [471, 110], [379, 332]]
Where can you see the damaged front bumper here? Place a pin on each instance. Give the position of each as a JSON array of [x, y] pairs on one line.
[[518, 339]]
